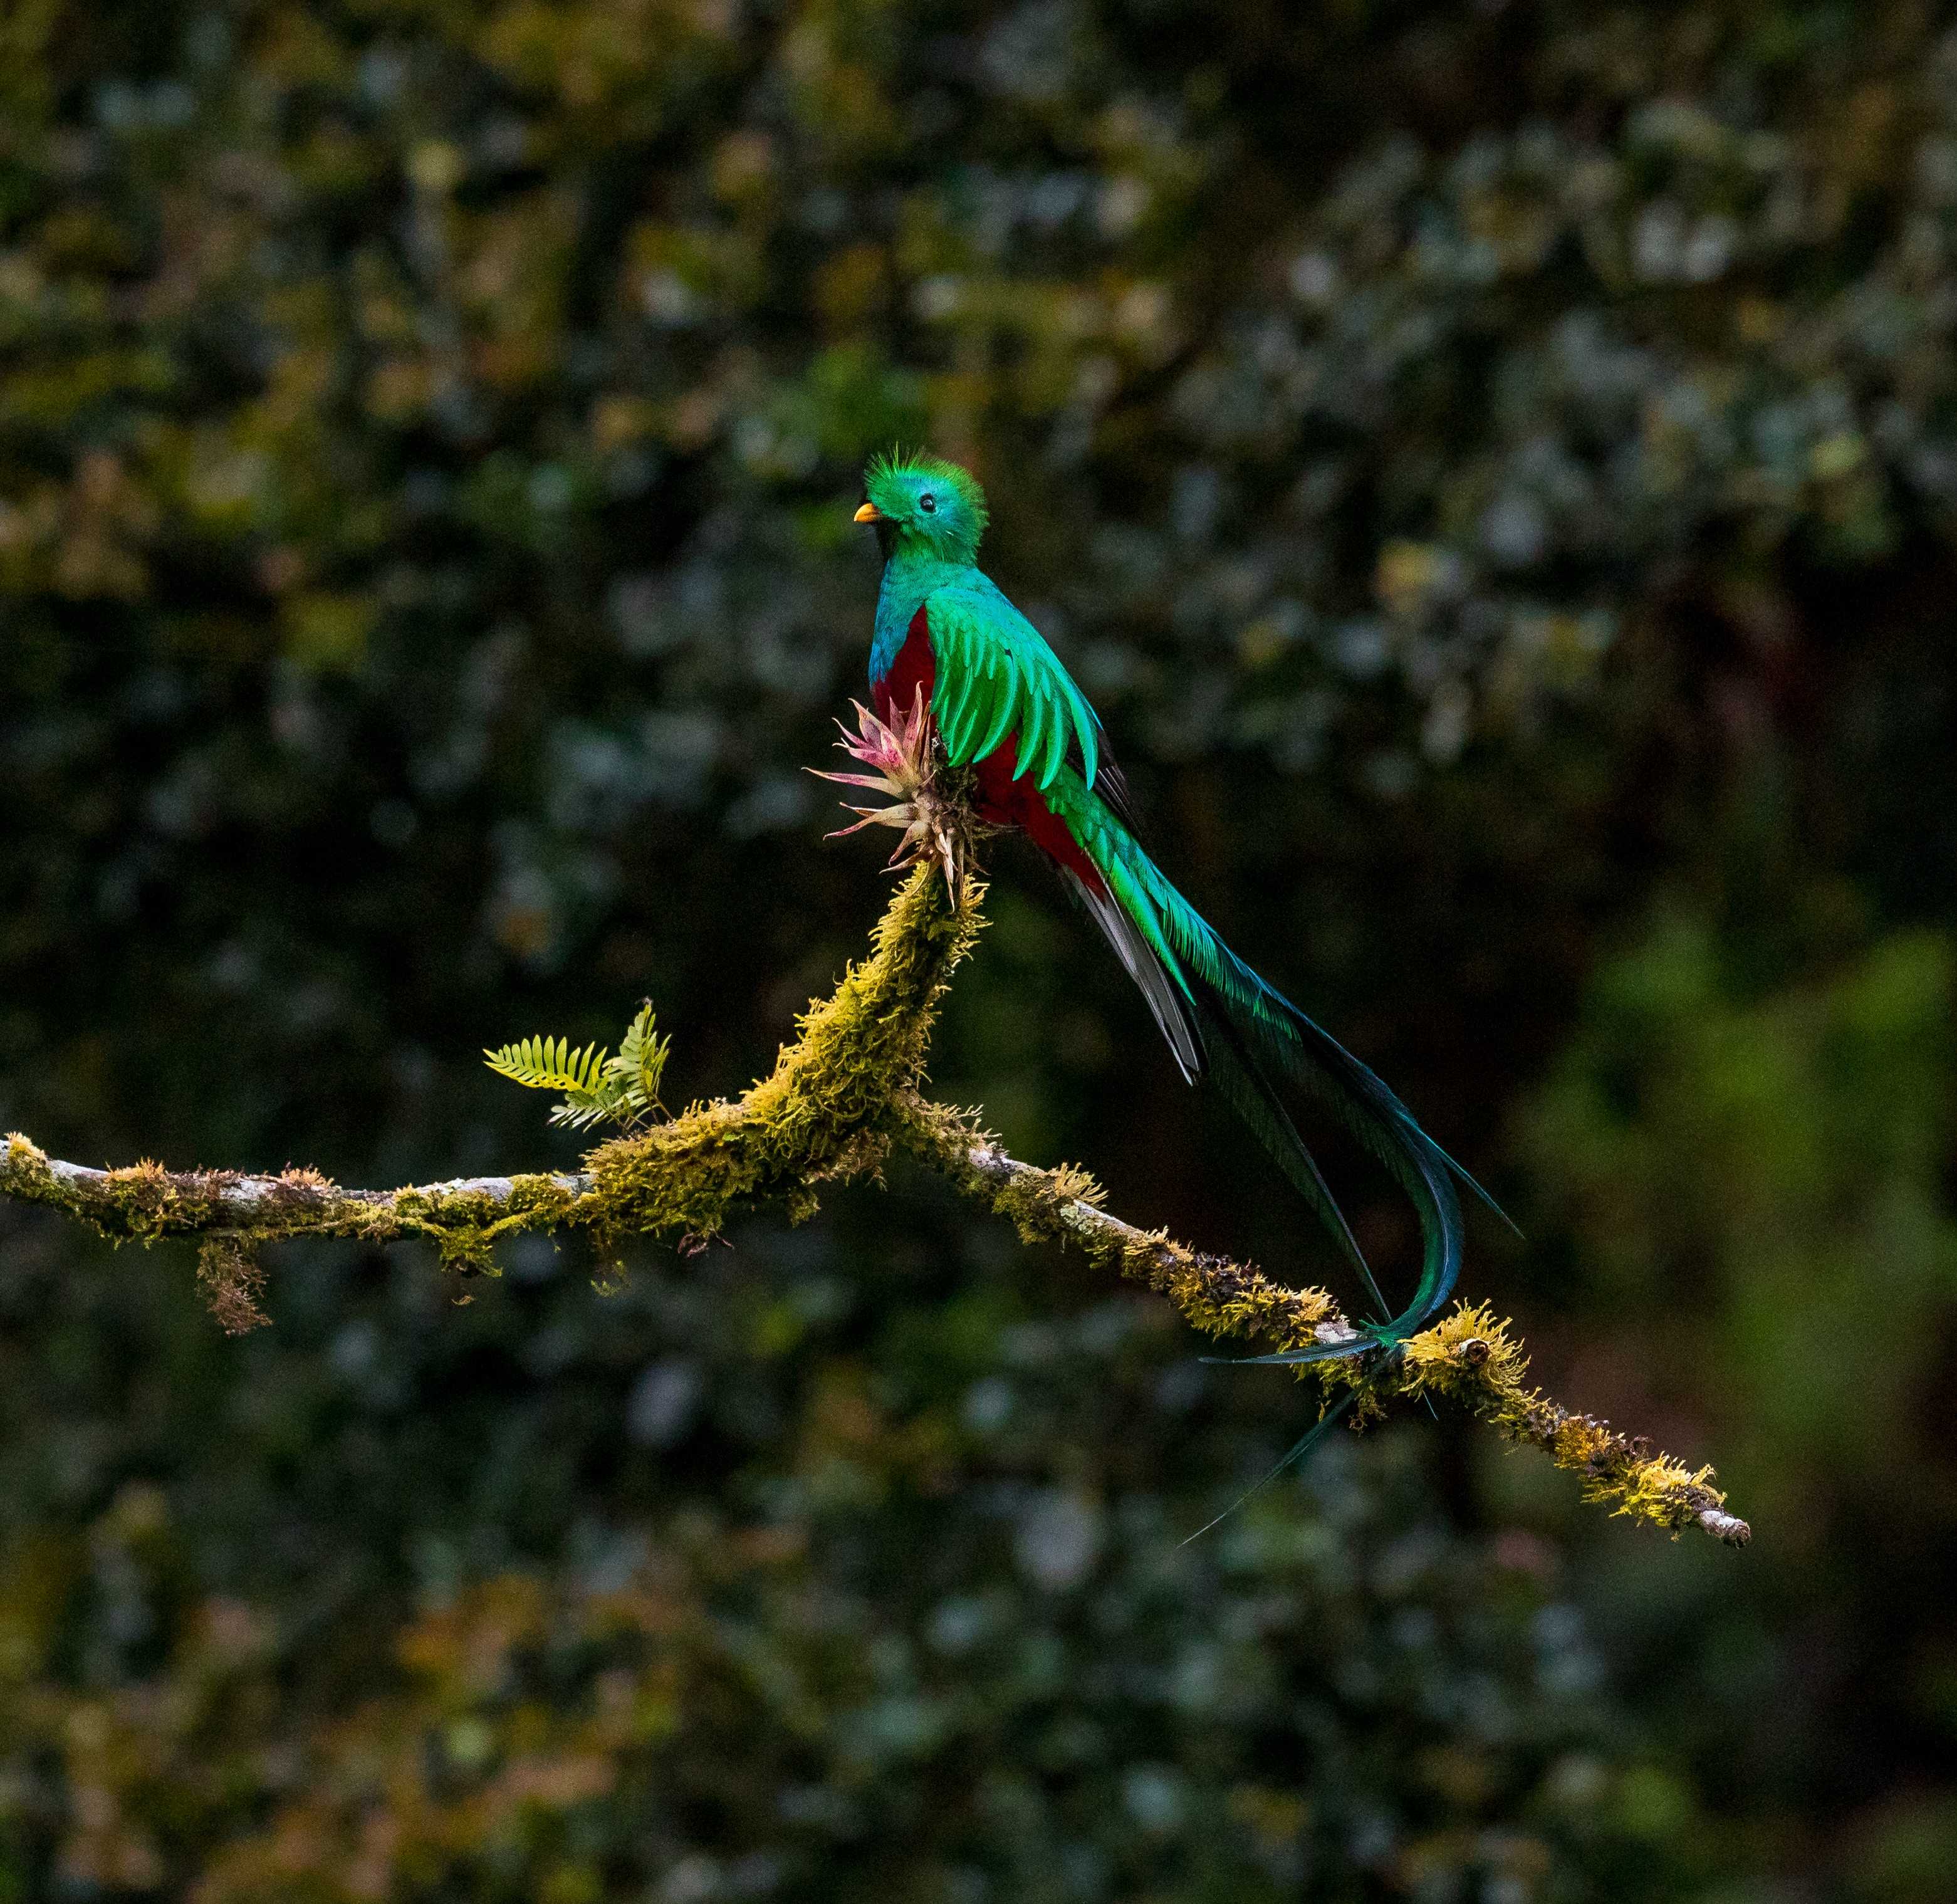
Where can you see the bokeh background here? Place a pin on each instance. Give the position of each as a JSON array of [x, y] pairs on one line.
[[1495, 468]]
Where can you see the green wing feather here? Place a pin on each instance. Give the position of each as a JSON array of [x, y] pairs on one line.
[[997, 677]]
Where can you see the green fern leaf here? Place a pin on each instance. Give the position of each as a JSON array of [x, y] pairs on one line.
[[549, 1064], [583, 1108], [596, 1087], [641, 1061]]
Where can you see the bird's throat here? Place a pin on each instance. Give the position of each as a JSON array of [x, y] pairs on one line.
[[910, 573]]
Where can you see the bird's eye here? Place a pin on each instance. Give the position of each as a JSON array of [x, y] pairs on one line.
[[928, 502]]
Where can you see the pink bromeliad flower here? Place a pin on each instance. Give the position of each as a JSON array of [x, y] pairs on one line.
[[925, 804]]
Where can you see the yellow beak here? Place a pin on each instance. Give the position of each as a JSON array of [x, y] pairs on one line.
[[868, 513]]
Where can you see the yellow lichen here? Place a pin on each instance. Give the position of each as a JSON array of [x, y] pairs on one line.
[[1470, 1348], [23, 1154]]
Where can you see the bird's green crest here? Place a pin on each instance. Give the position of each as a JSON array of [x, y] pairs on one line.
[[927, 501]]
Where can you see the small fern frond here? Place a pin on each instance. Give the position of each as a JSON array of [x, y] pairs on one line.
[[597, 1087], [641, 1061], [549, 1064], [604, 1101]]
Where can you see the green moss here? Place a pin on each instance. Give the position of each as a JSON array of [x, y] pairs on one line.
[[829, 1108]]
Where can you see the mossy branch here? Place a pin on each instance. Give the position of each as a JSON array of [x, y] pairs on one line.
[[839, 1099]]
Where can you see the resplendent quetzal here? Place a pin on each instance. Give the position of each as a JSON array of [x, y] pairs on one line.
[[1006, 708]]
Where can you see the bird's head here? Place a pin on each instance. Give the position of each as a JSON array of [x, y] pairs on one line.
[[918, 502]]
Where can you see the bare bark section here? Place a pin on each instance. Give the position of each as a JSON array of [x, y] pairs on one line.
[[840, 1099], [185, 1201]]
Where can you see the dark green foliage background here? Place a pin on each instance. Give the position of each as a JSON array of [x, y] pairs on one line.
[[1495, 468]]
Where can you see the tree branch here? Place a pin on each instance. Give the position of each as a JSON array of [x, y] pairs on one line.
[[840, 1098]]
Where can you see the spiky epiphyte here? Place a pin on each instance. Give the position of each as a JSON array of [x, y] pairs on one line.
[[928, 803]]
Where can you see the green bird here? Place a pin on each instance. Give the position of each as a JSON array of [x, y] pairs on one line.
[[947, 638]]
